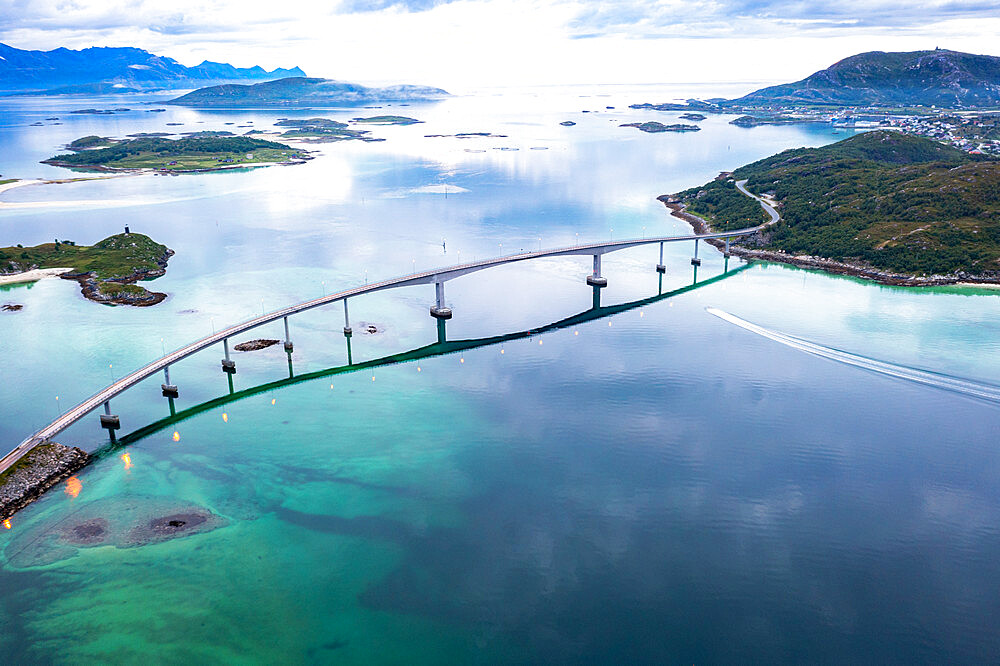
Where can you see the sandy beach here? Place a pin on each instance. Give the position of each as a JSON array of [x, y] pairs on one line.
[[32, 276], [59, 204]]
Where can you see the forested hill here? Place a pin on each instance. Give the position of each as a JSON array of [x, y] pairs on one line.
[[887, 200], [940, 77]]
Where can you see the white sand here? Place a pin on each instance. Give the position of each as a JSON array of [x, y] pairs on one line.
[[33, 276]]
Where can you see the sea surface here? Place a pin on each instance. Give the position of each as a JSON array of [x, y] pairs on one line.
[[644, 484]]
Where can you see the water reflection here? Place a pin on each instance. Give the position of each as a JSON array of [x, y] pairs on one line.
[[439, 348]]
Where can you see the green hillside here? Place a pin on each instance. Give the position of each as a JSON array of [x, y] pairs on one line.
[[895, 202], [940, 77]]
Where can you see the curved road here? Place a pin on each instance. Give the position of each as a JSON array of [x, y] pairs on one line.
[[425, 277]]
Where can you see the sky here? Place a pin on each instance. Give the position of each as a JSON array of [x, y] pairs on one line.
[[470, 44]]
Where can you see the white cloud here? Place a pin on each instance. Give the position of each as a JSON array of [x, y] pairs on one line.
[[470, 43]]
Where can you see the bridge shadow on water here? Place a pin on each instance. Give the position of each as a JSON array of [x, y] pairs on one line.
[[439, 348]]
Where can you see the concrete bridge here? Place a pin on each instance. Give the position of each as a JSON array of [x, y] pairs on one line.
[[438, 277]]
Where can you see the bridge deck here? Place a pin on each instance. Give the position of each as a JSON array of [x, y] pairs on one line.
[[423, 277]]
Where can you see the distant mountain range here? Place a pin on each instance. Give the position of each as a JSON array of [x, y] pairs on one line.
[[102, 69], [303, 92], [928, 78]]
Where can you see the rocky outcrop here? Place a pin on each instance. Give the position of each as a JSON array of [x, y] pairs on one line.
[[129, 293], [254, 345], [40, 469]]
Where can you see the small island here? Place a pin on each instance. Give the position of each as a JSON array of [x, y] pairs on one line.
[[693, 116], [184, 155], [882, 205], [107, 271], [654, 127], [322, 130], [386, 120]]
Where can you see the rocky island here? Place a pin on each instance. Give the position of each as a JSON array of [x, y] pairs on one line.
[[185, 155], [654, 127], [107, 271], [321, 130], [882, 205]]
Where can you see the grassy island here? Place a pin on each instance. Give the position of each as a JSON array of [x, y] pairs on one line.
[[321, 130], [386, 120], [881, 201], [654, 127], [192, 153], [105, 270]]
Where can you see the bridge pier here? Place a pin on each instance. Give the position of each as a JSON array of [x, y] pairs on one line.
[[109, 421], [347, 321], [595, 279], [228, 365], [288, 339], [695, 261], [169, 390], [726, 253], [660, 267], [440, 310]]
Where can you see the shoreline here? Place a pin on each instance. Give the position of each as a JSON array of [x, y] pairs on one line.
[[701, 226], [136, 171]]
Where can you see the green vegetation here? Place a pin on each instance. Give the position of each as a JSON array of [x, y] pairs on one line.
[[92, 141], [116, 257], [939, 78], [654, 127], [117, 289], [179, 154], [4, 181], [322, 128], [896, 202], [386, 120]]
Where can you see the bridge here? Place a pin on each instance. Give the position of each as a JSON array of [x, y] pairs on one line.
[[439, 310]]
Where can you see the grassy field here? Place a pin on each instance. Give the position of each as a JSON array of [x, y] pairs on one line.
[[115, 257], [7, 180]]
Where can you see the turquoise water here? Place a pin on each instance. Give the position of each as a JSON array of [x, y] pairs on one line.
[[655, 485]]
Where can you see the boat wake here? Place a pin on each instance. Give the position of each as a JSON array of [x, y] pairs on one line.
[[940, 381]]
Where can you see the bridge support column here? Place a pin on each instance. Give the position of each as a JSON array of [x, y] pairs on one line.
[[347, 321], [109, 421], [726, 253], [169, 390], [288, 339], [228, 365], [695, 261], [660, 267], [595, 279], [440, 310]]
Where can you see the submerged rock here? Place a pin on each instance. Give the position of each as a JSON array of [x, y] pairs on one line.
[[11, 307], [127, 521]]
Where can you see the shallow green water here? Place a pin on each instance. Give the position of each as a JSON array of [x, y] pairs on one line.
[[656, 485]]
